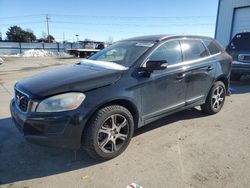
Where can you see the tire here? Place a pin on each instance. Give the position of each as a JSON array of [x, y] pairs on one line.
[[235, 76], [215, 99], [108, 133]]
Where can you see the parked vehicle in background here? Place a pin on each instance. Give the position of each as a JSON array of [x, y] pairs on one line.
[[1, 61], [99, 102], [239, 49], [85, 49]]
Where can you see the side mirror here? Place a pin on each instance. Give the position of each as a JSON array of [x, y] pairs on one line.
[[153, 65]]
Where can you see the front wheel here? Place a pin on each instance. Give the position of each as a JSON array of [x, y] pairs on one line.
[[215, 99], [109, 132]]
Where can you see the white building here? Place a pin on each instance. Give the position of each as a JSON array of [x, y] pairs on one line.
[[233, 17]]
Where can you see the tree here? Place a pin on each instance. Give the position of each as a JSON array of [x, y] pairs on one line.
[[42, 37], [1, 36], [29, 35], [17, 34], [14, 34], [50, 38], [45, 38]]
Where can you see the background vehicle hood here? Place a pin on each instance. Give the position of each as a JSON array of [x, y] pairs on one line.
[[80, 77]]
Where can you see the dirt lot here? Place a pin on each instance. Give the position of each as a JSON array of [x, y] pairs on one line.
[[187, 149]]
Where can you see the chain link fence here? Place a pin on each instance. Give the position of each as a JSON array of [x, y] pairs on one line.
[[11, 48]]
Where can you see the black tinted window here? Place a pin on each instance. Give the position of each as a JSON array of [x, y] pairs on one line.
[[193, 49], [240, 41], [212, 47], [169, 51]]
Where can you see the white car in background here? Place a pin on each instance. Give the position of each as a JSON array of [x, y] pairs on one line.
[[1, 61]]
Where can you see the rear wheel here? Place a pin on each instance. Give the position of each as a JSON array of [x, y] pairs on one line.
[[235, 76], [215, 99], [109, 132]]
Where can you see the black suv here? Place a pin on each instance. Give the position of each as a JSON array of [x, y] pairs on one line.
[[98, 102], [239, 49]]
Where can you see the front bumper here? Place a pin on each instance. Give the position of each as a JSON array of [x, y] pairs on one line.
[[60, 129], [240, 67]]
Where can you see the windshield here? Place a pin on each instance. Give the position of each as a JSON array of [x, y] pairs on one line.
[[124, 52]]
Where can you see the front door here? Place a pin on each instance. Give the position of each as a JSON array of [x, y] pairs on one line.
[[164, 90]]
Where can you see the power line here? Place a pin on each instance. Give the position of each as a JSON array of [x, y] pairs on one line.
[[115, 23], [111, 16], [22, 23], [112, 24], [133, 25], [135, 17], [24, 16]]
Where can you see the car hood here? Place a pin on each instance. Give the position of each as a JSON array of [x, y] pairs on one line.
[[84, 76]]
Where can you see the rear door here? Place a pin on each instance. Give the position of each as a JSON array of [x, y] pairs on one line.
[[201, 69]]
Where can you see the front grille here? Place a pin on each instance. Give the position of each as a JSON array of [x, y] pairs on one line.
[[247, 58], [244, 58], [22, 100]]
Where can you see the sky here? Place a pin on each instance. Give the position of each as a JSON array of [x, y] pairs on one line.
[[109, 20]]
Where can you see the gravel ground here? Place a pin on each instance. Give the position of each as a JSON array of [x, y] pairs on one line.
[[187, 149]]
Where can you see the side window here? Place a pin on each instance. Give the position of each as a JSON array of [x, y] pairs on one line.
[[193, 49], [169, 51], [212, 47]]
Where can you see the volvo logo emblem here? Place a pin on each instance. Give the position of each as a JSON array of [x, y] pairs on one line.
[[18, 99], [241, 57]]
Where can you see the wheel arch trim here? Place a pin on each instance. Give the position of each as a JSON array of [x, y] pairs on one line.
[[224, 79]]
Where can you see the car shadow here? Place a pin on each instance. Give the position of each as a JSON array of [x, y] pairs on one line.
[[20, 160], [240, 87], [191, 113]]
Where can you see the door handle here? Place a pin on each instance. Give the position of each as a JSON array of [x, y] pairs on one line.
[[180, 76], [209, 68]]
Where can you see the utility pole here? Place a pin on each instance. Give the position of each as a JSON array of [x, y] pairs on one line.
[[47, 20], [77, 37], [77, 40]]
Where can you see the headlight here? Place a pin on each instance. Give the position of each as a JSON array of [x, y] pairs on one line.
[[63, 102]]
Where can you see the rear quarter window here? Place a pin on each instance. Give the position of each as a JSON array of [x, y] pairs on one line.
[[212, 46], [193, 49]]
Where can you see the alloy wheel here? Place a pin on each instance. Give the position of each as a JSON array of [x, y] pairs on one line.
[[218, 97], [113, 133]]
